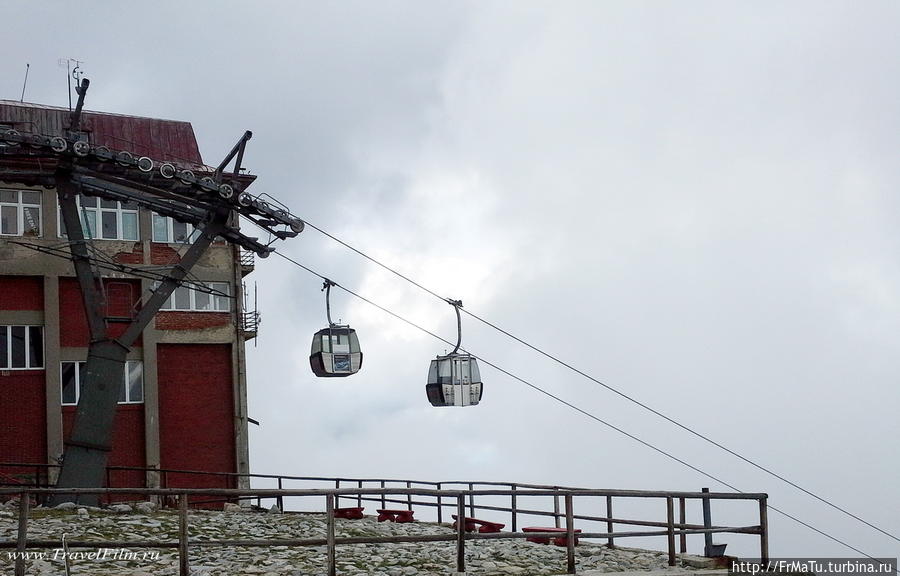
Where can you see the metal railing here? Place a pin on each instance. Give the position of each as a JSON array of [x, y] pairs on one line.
[[460, 501], [248, 261]]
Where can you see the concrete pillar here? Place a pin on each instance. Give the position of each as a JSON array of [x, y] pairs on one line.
[[53, 394]]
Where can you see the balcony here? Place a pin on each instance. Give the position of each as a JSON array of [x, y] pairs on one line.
[[249, 324], [248, 262]]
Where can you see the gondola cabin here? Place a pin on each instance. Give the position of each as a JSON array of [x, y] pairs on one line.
[[454, 380], [335, 352]]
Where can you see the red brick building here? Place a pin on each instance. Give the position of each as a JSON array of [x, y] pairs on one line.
[[183, 397]]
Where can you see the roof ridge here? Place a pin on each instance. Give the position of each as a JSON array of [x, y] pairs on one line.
[[17, 103]]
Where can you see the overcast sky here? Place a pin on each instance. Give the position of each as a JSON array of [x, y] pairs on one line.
[[694, 202]]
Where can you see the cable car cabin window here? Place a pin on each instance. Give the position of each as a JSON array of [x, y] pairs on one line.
[[336, 343]]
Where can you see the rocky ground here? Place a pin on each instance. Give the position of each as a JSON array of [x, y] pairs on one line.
[[485, 557]]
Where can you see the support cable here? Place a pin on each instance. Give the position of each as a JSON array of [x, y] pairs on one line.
[[574, 407], [616, 391]]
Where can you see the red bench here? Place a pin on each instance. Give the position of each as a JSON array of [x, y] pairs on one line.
[[561, 541], [400, 516], [349, 513], [486, 527]]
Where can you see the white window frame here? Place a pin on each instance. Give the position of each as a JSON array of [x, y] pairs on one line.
[[97, 212], [192, 232], [216, 303], [8, 329], [20, 206], [79, 367]]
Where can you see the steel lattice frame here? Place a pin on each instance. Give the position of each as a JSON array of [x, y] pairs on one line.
[[201, 197]]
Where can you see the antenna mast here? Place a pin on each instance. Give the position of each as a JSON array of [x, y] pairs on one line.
[[25, 83]]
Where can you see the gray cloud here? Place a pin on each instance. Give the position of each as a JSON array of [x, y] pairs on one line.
[[694, 202]]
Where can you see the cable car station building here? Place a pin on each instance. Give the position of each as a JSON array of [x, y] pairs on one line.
[[183, 398]]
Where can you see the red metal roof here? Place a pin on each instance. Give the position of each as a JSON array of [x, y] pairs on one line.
[[161, 140]]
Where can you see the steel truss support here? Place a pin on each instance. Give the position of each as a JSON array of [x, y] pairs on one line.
[[75, 166], [87, 450]]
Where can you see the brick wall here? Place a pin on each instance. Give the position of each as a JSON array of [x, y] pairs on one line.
[[21, 293], [191, 320], [23, 426], [196, 412], [73, 328], [163, 255], [136, 256]]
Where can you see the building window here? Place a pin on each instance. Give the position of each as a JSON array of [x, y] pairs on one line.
[[106, 219], [167, 229], [21, 347], [72, 375], [215, 297], [20, 213]]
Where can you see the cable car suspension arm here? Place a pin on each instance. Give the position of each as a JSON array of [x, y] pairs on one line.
[[457, 304]]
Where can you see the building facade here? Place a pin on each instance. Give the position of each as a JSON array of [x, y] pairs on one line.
[[183, 399]]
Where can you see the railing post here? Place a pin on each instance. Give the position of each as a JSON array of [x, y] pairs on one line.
[[570, 535], [337, 498], [359, 484], [471, 501], [409, 496], [440, 505], [383, 497], [329, 512], [184, 568], [670, 521], [24, 504], [707, 524], [682, 518], [609, 523], [556, 509], [763, 532], [460, 534], [513, 506], [280, 498]]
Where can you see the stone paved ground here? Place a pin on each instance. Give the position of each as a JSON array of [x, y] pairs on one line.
[[485, 557]]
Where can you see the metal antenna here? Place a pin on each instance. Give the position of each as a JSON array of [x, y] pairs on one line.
[[70, 73], [25, 83], [457, 304]]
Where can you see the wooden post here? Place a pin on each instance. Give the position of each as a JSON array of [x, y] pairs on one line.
[[460, 534], [359, 496], [513, 503], [409, 496], [471, 501], [184, 566], [556, 509], [280, 498], [682, 515], [383, 499], [570, 536], [763, 532], [609, 523], [24, 504], [670, 520], [440, 505], [337, 499], [329, 513], [707, 523]]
